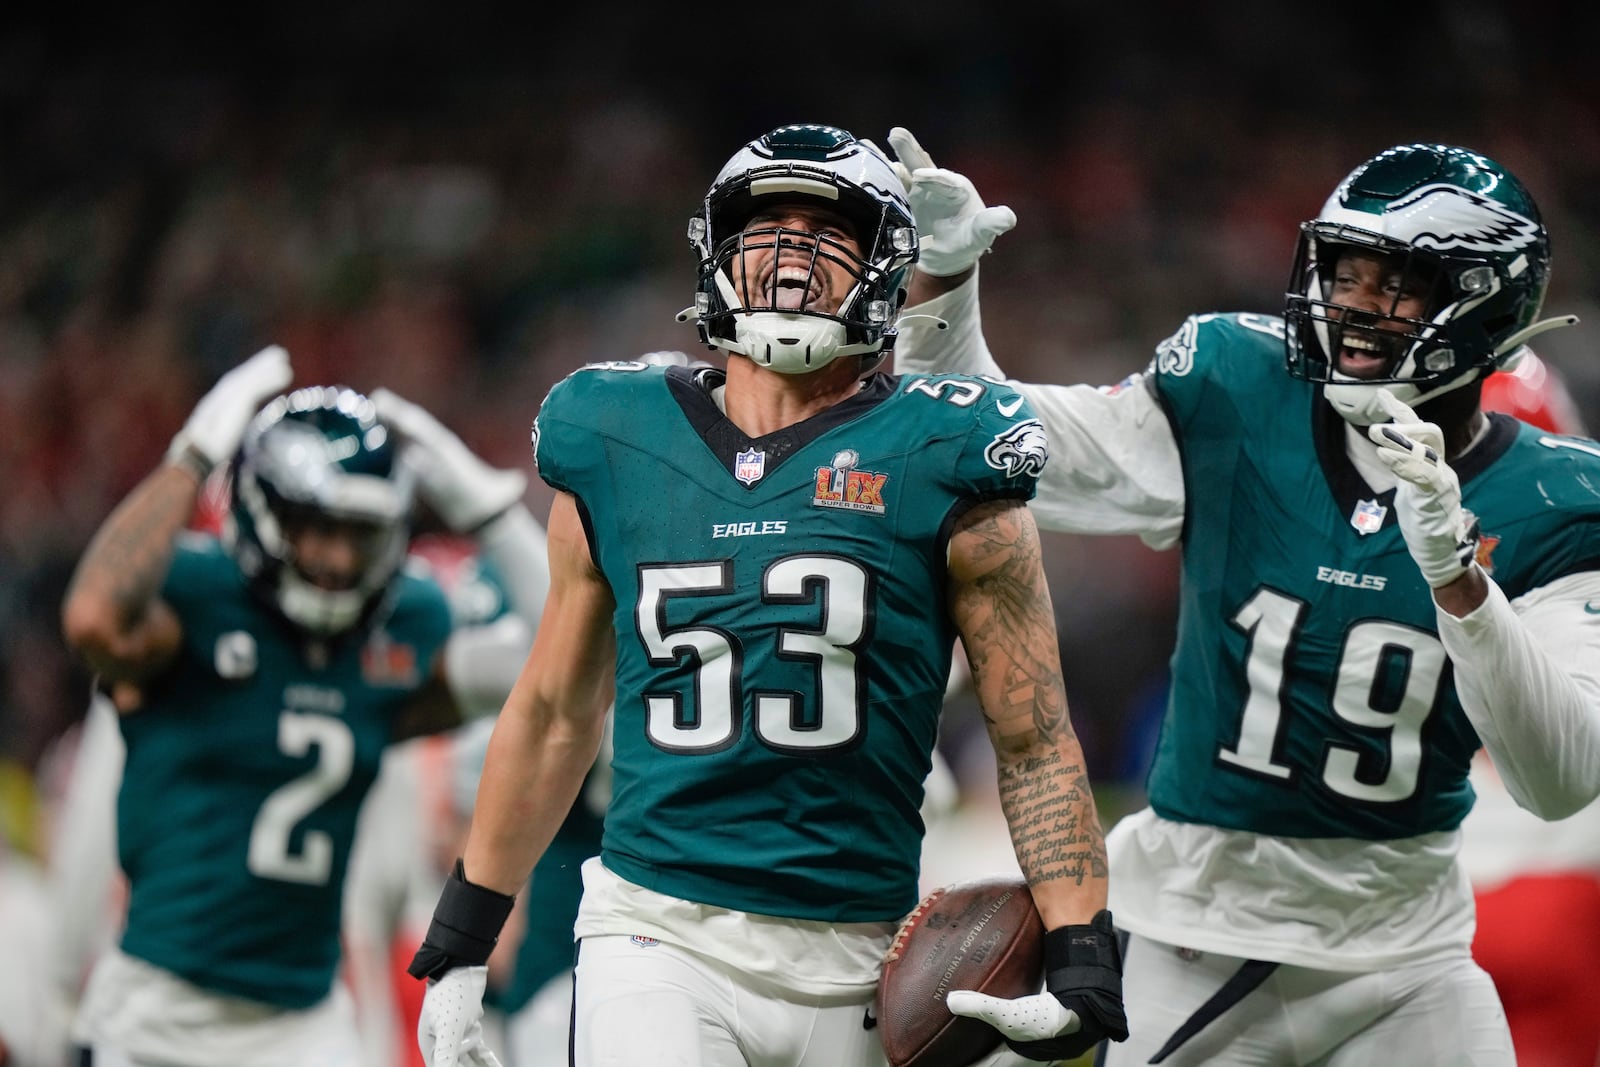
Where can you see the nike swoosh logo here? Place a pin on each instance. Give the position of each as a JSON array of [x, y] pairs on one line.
[[1010, 409], [1589, 608]]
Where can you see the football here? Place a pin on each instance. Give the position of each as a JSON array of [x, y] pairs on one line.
[[984, 934]]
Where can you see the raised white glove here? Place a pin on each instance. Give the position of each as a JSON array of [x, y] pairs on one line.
[[1441, 535], [460, 487], [217, 424], [450, 1028], [954, 225]]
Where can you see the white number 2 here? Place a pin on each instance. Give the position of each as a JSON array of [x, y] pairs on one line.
[[1376, 653], [269, 855]]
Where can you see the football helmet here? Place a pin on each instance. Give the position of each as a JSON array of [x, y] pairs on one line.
[[1465, 232], [804, 163], [318, 454]]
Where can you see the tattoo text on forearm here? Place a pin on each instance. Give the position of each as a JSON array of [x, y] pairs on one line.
[[1051, 812]]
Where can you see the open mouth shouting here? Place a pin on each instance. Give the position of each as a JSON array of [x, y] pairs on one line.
[[792, 288], [1365, 352]]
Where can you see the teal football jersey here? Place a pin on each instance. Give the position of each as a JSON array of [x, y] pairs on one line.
[[1311, 695], [782, 635], [245, 773]]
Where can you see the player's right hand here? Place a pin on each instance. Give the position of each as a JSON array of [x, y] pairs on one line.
[[1038, 1017], [217, 424], [450, 1028], [954, 226], [1080, 1007]]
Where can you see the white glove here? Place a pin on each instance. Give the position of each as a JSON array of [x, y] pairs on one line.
[[217, 424], [450, 1028], [954, 225], [1441, 534], [1033, 1018], [460, 487]]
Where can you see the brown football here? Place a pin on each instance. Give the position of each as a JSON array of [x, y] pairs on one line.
[[984, 934]]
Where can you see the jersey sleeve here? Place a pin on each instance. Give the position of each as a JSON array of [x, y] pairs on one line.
[[945, 336], [1006, 449], [1527, 674], [1213, 361], [577, 414], [200, 571]]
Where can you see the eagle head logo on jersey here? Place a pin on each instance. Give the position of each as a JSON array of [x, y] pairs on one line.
[[1019, 449]]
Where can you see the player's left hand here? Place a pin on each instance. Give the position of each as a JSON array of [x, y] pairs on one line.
[[454, 481], [1441, 535], [954, 226], [450, 1028], [1080, 1007]]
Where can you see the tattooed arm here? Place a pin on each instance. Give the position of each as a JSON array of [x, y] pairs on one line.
[[1000, 604], [113, 614]]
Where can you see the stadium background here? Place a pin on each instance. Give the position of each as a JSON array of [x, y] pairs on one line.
[[464, 205]]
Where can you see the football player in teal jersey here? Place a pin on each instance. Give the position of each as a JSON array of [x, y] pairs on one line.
[[767, 567], [1378, 577], [259, 677]]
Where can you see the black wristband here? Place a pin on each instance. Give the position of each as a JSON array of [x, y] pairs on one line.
[[1084, 955], [466, 925]]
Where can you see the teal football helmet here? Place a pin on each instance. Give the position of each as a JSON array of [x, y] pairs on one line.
[[319, 456], [1466, 233], [804, 163]]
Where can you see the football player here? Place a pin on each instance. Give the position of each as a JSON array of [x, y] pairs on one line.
[[259, 677], [767, 567], [1378, 577]]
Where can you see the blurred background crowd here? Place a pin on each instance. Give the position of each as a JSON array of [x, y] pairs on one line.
[[465, 210]]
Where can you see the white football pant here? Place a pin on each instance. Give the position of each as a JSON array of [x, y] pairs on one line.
[[1444, 1013]]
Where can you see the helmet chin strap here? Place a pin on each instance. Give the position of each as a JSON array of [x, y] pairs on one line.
[[789, 342]]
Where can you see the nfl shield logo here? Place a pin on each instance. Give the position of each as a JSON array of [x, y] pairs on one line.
[[749, 466], [1368, 516]]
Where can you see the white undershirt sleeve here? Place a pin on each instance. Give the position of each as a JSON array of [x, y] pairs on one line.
[[1114, 466], [945, 336], [1528, 674]]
